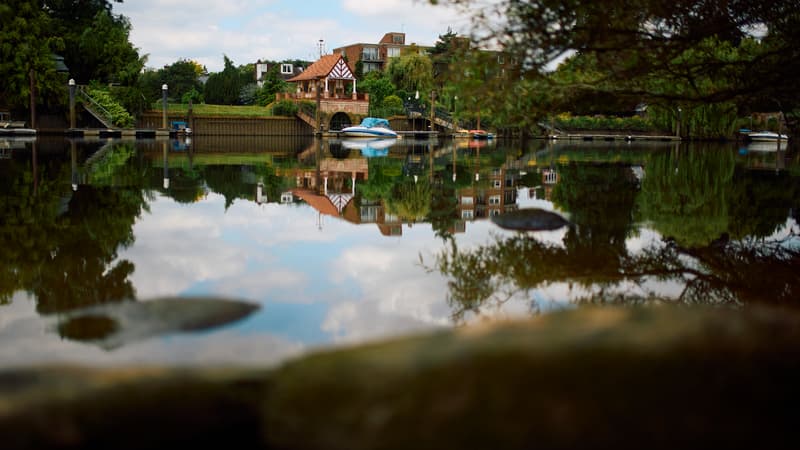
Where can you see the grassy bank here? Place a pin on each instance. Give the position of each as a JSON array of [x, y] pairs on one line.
[[217, 110]]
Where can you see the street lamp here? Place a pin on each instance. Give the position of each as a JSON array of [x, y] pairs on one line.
[[164, 89]]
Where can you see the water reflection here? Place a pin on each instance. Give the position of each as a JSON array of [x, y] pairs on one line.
[[340, 244]]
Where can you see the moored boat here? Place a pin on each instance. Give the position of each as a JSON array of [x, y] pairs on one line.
[[371, 127], [480, 134], [766, 136]]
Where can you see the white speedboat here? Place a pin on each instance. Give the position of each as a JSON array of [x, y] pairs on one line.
[[371, 127], [765, 136]]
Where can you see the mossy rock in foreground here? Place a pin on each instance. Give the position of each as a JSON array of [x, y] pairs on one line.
[[597, 378]]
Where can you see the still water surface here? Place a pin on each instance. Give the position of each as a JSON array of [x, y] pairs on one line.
[[340, 242]]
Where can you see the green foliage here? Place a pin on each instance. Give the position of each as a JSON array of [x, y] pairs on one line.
[[702, 58], [181, 77], [411, 71], [285, 108], [378, 86], [248, 94], [193, 96], [392, 105], [224, 88], [273, 84], [26, 46], [120, 116], [595, 123], [105, 48]]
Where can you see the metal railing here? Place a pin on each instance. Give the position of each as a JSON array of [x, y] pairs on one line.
[[95, 109]]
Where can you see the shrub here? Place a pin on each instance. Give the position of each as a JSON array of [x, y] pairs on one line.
[[119, 115], [285, 108]]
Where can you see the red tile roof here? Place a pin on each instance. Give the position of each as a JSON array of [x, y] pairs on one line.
[[320, 69]]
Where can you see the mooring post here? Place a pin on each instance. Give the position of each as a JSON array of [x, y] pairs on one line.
[[32, 78], [164, 107], [71, 103]]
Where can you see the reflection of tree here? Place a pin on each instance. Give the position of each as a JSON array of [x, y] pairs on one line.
[[383, 174], [738, 273], [59, 244], [80, 272], [590, 193], [594, 253], [229, 181], [410, 200], [685, 194], [760, 202], [444, 210]]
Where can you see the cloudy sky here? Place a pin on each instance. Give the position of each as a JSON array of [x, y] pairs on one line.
[[245, 31]]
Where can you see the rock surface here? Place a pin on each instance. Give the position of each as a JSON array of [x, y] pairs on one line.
[[658, 377]]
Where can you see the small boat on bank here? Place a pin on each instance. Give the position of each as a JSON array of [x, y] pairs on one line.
[[766, 136], [480, 134], [9, 128], [371, 127]]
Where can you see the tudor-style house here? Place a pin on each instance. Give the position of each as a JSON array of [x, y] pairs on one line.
[[331, 79]]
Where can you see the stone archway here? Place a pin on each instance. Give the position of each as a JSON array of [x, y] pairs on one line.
[[340, 120]]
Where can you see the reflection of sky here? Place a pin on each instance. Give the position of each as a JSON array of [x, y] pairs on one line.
[[319, 280]]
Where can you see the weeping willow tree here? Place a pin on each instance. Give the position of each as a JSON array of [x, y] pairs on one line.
[[685, 195]]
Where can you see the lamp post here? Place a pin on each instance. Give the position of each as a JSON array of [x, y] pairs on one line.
[[416, 104], [32, 79], [433, 110], [164, 89], [71, 84]]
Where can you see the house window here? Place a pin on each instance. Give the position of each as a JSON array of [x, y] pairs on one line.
[[497, 184], [466, 214], [397, 39], [371, 66], [466, 200], [494, 200], [500, 59], [369, 54], [393, 52], [287, 69]]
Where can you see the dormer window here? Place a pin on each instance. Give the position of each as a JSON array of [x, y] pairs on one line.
[[287, 69]]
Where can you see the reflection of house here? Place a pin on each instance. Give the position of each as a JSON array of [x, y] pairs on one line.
[[332, 81], [374, 56], [550, 178], [331, 191], [491, 197]]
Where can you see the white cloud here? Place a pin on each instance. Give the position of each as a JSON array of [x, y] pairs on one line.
[[246, 31]]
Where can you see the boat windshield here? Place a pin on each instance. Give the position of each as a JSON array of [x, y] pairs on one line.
[[370, 122]]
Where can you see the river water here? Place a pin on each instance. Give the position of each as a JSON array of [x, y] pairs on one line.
[[339, 242]]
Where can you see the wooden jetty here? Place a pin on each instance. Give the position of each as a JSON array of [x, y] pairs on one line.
[[140, 133]]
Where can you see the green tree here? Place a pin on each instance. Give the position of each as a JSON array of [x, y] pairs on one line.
[[411, 71], [705, 49], [224, 88], [273, 84], [181, 77], [378, 85], [106, 50], [26, 49]]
